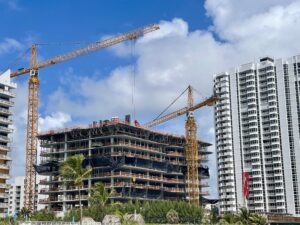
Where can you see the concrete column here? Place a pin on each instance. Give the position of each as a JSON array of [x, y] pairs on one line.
[[64, 186], [89, 155]]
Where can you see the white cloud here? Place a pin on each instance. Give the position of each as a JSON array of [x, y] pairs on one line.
[[11, 4], [8, 45], [53, 121], [257, 28]]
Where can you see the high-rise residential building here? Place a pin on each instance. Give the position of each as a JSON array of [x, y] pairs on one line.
[[257, 123], [6, 96], [17, 195], [138, 163]]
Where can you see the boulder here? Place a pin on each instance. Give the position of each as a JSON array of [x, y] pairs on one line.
[[89, 221], [111, 220], [136, 218]]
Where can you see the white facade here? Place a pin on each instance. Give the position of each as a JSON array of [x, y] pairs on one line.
[[6, 103], [257, 122], [17, 195]]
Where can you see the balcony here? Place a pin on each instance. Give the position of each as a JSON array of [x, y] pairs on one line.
[[5, 112], [224, 172], [226, 166], [3, 205], [6, 129], [138, 176], [4, 186], [7, 93], [4, 176], [6, 103], [4, 195], [4, 147], [4, 166], [5, 157], [4, 139], [5, 121]]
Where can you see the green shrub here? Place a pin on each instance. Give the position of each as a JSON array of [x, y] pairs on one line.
[[172, 216], [152, 211], [156, 211], [43, 216]]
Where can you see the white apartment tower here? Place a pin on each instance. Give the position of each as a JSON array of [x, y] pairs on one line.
[[17, 195], [6, 95], [257, 122]]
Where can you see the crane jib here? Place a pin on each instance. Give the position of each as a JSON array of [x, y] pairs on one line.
[[90, 48]]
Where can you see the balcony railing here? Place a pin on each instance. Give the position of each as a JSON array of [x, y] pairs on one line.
[[3, 205], [5, 157], [138, 176], [4, 166], [6, 129], [4, 195], [7, 103], [5, 92], [4, 186], [4, 138], [4, 176], [5, 111], [4, 147], [5, 120]]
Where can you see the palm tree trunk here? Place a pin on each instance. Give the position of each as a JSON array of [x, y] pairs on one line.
[[80, 205]]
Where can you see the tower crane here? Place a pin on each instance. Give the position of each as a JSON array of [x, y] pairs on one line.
[[33, 99], [191, 145]]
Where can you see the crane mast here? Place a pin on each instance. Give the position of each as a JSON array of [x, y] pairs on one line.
[[33, 98], [32, 131], [191, 145], [191, 152]]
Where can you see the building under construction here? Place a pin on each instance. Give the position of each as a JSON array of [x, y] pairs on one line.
[[138, 163]]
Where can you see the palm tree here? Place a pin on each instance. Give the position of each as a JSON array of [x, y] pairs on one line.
[[245, 216], [99, 195], [229, 218], [259, 219], [73, 172], [25, 213], [214, 217]]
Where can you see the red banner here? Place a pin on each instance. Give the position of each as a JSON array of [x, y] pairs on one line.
[[246, 186]]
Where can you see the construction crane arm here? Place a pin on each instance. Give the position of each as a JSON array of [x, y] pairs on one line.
[[90, 48], [210, 101]]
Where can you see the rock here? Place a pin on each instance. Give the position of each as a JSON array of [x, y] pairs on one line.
[[111, 220], [89, 221], [136, 218]]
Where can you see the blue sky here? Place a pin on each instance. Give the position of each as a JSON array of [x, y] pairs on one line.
[[197, 39], [61, 23]]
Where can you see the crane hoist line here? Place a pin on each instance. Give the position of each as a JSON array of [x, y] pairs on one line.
[[191, 143], [33, 99]]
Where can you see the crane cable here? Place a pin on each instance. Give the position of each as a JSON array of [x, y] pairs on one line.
[[198, 92], [171, 104], [18, 59], [133, 68]]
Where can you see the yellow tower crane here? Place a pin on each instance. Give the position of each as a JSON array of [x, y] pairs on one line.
[[191, 145], [33, 98]]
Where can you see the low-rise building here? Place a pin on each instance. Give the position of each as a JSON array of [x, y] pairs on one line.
[[17, 194]]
